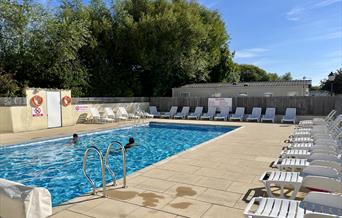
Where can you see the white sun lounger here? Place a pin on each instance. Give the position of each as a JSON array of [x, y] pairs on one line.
[[197, 114], [223, 115], [239, 113], [310, 177], [299, 163], [269, 115], [317, 130], [123, 115], [317, 121], [183, 113], [109, 112], [141, 113], [144, 114], [210, 114], [295, 154], [290, 115], [306, 153], [314, 205], [154, 112], [255, 116], [96, 117], [171, 113], [332, 136]]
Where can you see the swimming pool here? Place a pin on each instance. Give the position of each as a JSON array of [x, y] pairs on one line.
[[57, 167]]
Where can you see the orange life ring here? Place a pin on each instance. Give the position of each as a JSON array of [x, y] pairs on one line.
[[37, 100], [66, 101]]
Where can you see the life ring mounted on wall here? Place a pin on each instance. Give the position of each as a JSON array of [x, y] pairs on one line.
[[37, 100], [66, 101]]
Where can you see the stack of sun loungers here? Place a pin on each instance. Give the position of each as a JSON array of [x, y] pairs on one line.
[[311, 160]]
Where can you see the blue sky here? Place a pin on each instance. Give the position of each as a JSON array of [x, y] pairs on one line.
[[303, 37]]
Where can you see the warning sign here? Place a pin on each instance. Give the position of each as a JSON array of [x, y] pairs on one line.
[[81, 108], [37, 112]]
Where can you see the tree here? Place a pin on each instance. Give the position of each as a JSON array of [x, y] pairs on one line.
[[251, 73], [41, 49], [225, 70], [337, 83], [170, 43], [8, 86], [135, 48], [286, 77]]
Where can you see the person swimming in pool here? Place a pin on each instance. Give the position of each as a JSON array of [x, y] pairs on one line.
[[130, 143], [74, 139]]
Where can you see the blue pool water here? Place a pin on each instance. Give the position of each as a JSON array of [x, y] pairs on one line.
[[57, 166]]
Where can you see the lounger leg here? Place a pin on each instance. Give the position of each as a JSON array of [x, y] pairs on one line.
[[295, 191], [268, 189], [282, 192]]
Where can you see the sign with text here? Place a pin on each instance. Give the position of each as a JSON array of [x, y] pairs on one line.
[[220, 103], [37, 112], [81, 108]]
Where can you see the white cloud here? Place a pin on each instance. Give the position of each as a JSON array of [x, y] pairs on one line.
[[295, 14], [298, 12], [324, 3], [327, 36], [249, 53]]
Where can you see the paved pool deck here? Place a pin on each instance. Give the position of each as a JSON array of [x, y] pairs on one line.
[[214, 179]]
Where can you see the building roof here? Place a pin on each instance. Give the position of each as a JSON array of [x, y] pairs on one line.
[[253, 84]]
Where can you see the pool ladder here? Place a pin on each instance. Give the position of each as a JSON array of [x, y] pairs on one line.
[[105, 163]]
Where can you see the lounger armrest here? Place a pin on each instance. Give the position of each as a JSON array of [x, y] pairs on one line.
[[263, 176], [247, 212]]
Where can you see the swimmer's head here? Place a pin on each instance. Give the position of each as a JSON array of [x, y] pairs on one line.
[[131, 140]]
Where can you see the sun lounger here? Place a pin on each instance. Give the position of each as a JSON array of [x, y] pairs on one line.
[[296, 180], [305, 153], [142, 114], [154, 112], [299, 163], [314, 205], [331, 136], [171, 113], [319, 129], [210, 114], [122, 114], [223, 115], [290, 115], [269, 115], [197, 114], [96, 117], [239, 113], [255, 116], [109, 112], [183, 113], [317, 121]]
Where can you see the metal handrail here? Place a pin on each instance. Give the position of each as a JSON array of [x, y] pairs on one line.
[[102, 169], [123, 151]]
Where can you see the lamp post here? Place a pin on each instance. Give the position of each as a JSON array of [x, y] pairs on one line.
[[331, 78], [304, 85]]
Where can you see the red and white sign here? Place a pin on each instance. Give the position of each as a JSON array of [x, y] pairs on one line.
[[81, 108], [37, 112]]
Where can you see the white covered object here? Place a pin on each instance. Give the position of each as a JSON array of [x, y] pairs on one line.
[[18, 200]]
